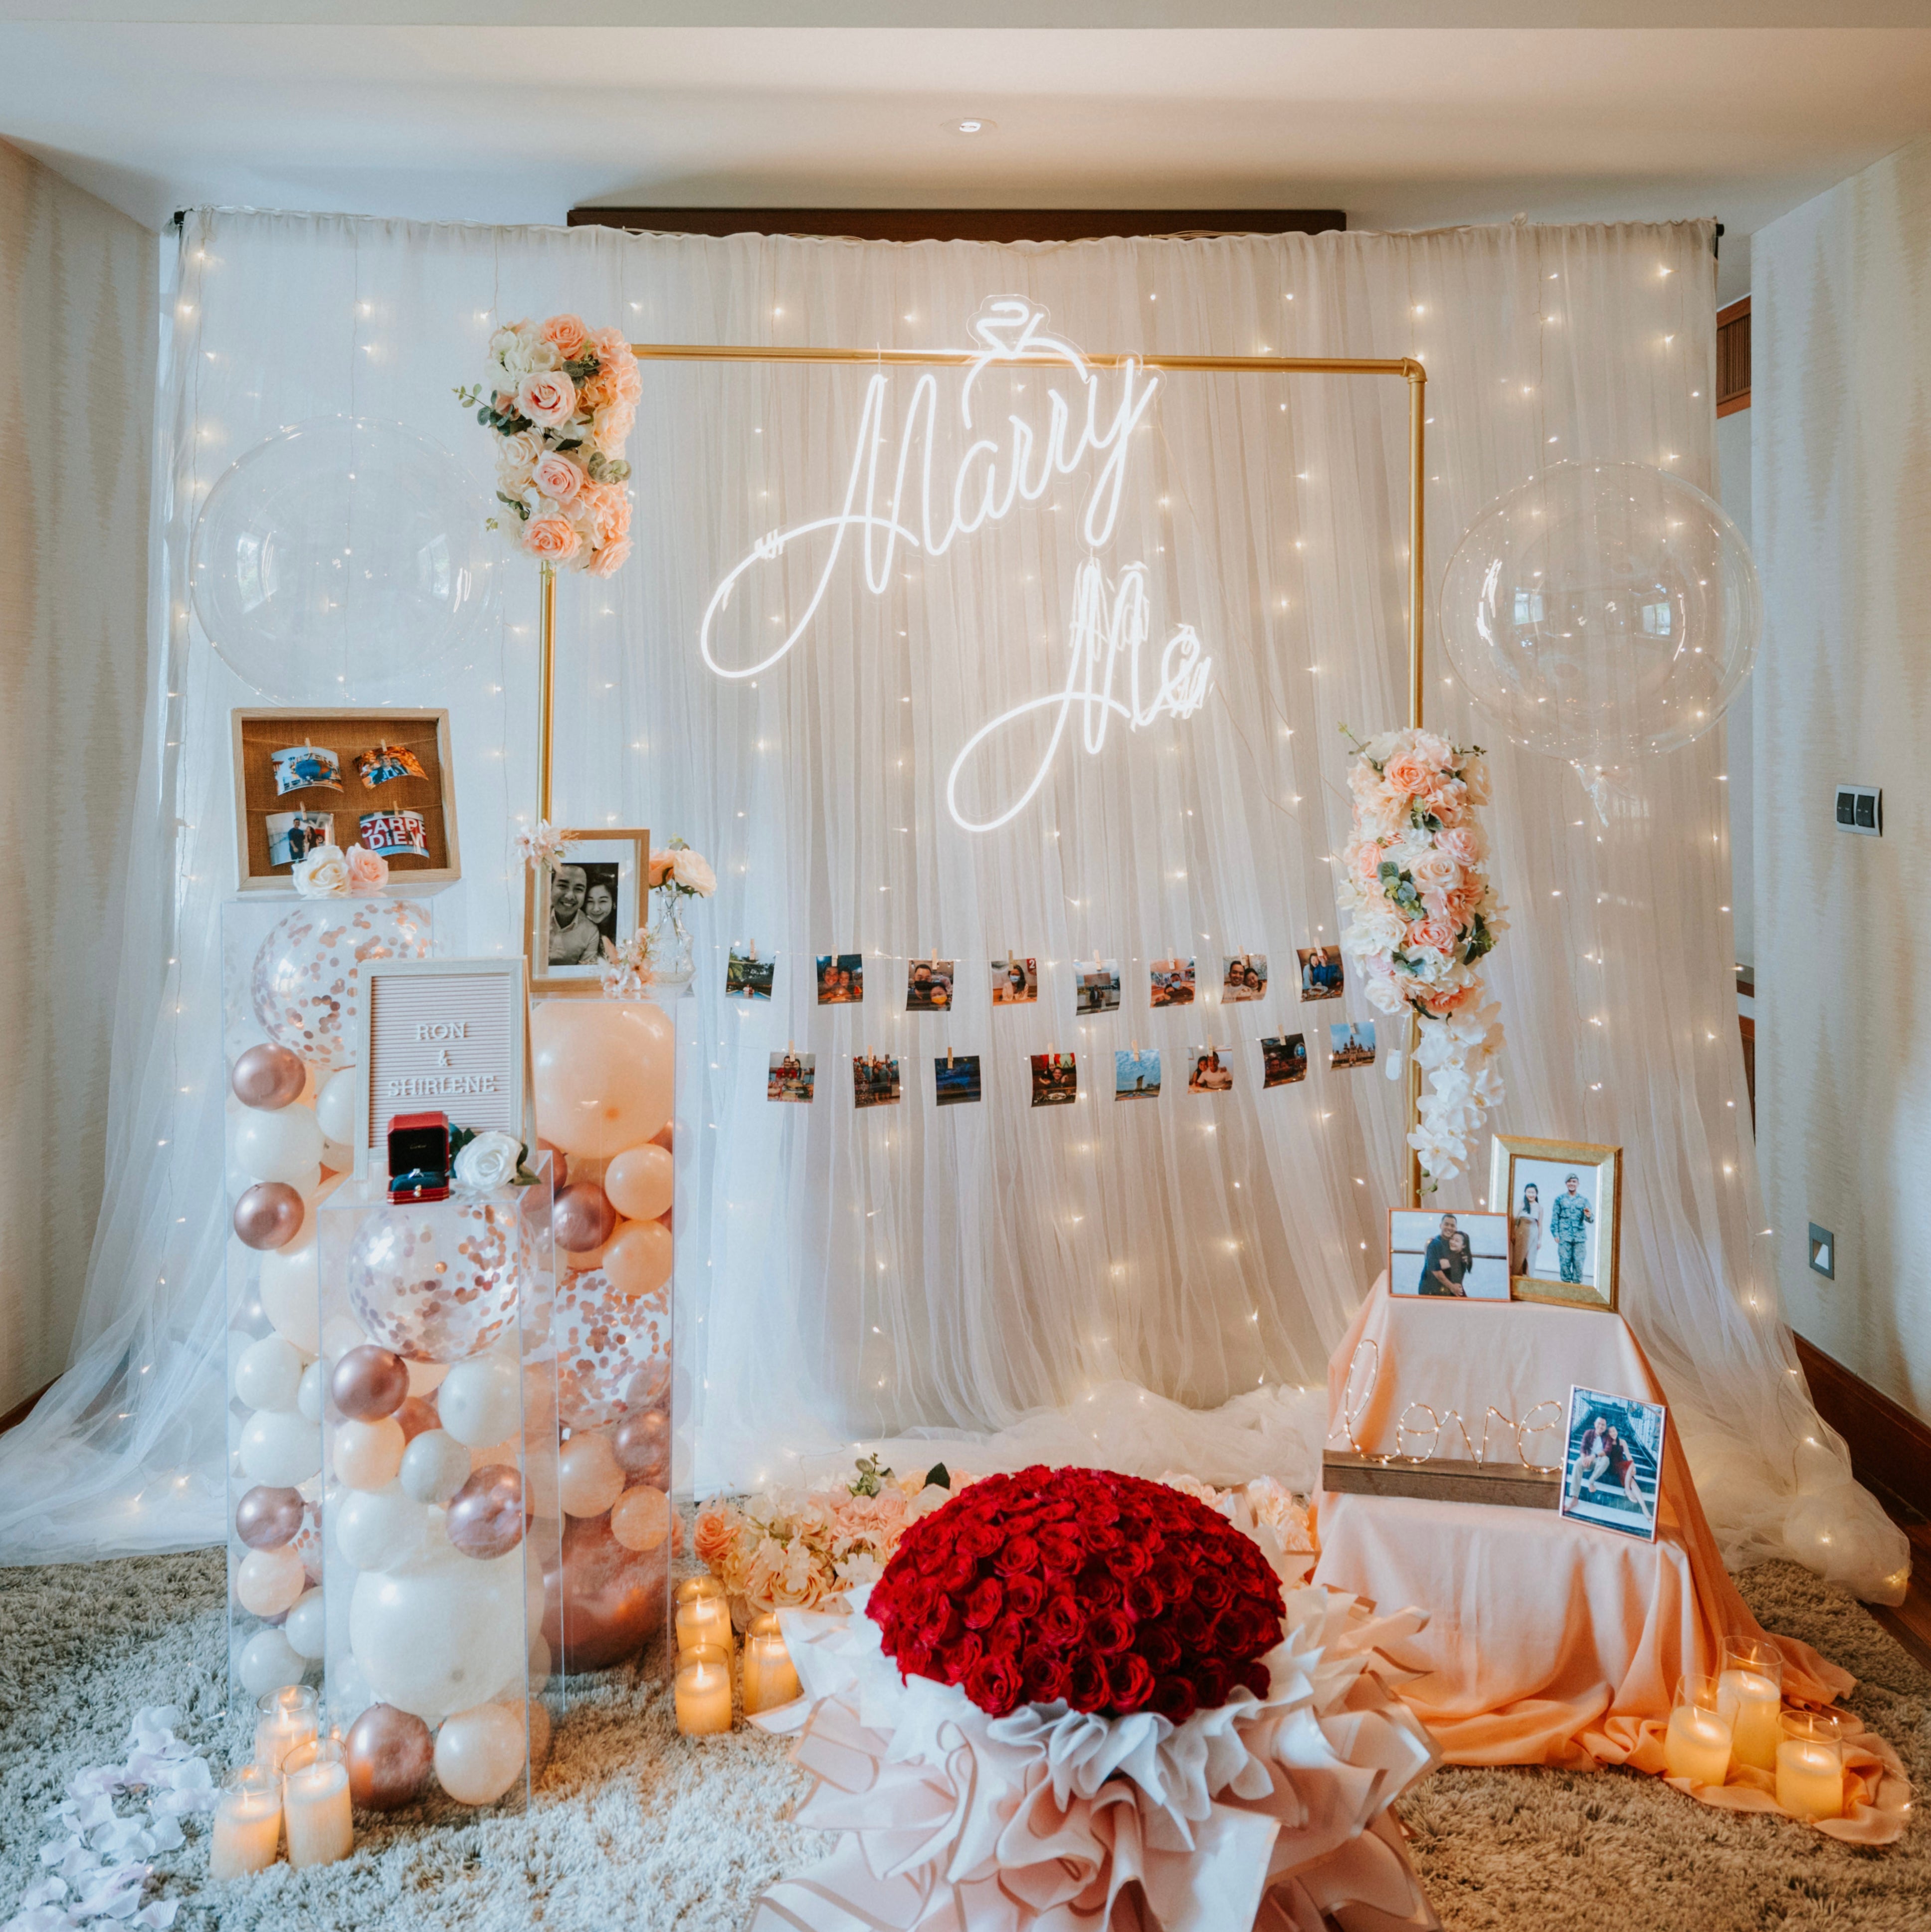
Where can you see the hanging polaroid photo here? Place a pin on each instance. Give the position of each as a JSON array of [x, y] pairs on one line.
[[841, 978], [1137, 1074], [386, 763], [1351, 1043], [1015, 982], [929, 985], [792, 1076], [957, 1079], [1172, 982], [746, 975], [1463, 1257], [305, 768], [1096, 986], [395, 835], [1321, 976], [1209, 1071], [1284, 1060], [292, 835], [875, 1080], [1244, 978], [1612, 1466], [1055, 1080]]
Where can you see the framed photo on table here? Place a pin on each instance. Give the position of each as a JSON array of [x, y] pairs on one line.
[[596, 889], [1460, 1257], [1564, 1202]]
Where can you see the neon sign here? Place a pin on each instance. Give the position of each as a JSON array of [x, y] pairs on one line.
[[996, 474]]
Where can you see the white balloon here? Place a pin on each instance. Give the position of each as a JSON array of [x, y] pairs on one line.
[[281, 1144], [336, 1106], [376, 1529], [280, 1447], [337, 1157], [312, 1391], [268, 1661], [434, 1467], [306, 1627], [268, 1374], [481, 1401], [290, 1284], [435, 1636], [426, 1378]]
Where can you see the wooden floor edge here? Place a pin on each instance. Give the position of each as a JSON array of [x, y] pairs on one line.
[[18, 1413]]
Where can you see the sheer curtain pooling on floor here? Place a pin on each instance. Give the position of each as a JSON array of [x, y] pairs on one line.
[[1150, 1284]]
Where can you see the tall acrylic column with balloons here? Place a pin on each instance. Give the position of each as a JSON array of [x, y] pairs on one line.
[[440, 1485], [604, 1086], [290, 972]]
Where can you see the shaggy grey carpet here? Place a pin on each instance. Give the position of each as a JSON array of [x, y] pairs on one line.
[[633, 1826]]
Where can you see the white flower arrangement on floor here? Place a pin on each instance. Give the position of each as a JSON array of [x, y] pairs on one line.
[[1415, 878]]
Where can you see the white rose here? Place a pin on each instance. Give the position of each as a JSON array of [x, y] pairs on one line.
[[323, 874], [692, 872], [488, 1161]]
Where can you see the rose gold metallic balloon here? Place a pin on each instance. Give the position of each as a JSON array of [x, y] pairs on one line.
[[269, 1077], [559, 1164], [269, 1518], [487, 1517], [418, 1417], [583, 1217], [642, 1446], [601, 1603], [268, 1215], [602, 1340], [389, 1754], [370, 1383]]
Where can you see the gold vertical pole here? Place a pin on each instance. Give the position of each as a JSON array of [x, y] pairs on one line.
[[1418, 394], [546, 692]]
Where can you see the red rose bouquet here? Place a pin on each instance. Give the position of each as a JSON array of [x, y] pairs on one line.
[[1105, 1592]]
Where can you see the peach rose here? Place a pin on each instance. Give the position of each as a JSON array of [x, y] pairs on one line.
[[1463, 844], [611, 558], [1434, 872], [661, 863], [548, 397], [714, 1539], [1405, 774], [612, 513], [568, 333], [1443, 1000], [368, 872], [610, 427], [557, 477], [552, 539], [1436, 934]]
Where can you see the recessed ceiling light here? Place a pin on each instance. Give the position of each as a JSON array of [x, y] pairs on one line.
[[972, 123]]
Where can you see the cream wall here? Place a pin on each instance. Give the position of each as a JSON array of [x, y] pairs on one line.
[[1841, 405], [78, 328]]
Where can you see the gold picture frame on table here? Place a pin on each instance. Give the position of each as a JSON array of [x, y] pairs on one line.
[[1568, 1254], [566, 960]]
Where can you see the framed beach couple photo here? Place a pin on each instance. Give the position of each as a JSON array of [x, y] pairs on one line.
[[1551, 1233]]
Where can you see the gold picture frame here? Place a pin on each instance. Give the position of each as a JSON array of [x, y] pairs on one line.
[[1545, 1262], [617, 855]]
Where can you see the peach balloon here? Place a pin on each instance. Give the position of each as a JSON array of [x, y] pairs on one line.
[[267, 1582], [584, 1261], [479, 1752], [641, 1182], [638, 1259], [588, 1478], [369, 1454], [641, 1518], [603, 1072], [662, 1137]]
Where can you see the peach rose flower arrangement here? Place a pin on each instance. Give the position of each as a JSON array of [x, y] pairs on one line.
[[562, 397], [1423, 914]]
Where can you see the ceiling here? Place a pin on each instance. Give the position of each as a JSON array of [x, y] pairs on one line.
[[1403, 126]]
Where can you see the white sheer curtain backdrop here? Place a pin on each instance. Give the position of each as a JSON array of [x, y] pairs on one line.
[[1091, 1279]]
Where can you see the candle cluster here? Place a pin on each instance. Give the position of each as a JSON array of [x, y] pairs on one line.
[[705, 1646], [298, 1781]]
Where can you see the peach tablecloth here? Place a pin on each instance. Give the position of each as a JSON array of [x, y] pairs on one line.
[[1549, 1642]]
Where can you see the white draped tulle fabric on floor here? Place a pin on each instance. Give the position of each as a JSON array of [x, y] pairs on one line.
[[910, 1269]]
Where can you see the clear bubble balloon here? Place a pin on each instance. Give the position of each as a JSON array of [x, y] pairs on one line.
[[1603, 610], [340, 555], [307, 977]]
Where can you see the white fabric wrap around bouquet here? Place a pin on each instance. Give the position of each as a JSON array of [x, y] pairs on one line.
[[1270, 1812]]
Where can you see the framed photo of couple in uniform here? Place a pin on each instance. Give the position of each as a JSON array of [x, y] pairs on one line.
[[1564, 1203], [595, 889]]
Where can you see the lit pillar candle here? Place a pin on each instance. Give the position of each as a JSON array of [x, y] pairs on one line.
[[1697, 1744], [248, 1822], [1810, 1766], [315, 1804], [285, 1719], [1749, 1692], [703, 1613], [703, 1691], [770, 1677]]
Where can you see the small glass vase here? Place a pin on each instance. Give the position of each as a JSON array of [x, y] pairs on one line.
[[672, 964]]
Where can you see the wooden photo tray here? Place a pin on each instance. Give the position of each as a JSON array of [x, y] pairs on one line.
[[260, 733]]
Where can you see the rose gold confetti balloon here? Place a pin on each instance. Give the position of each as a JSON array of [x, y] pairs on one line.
[[307, 978], [583, 1217], [487, 1516], [389, 1754], [269, 1518], [439, 1282], [603, 1341], [370, 1383], [268, 1215], [602, 1602], [269, 1077]]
